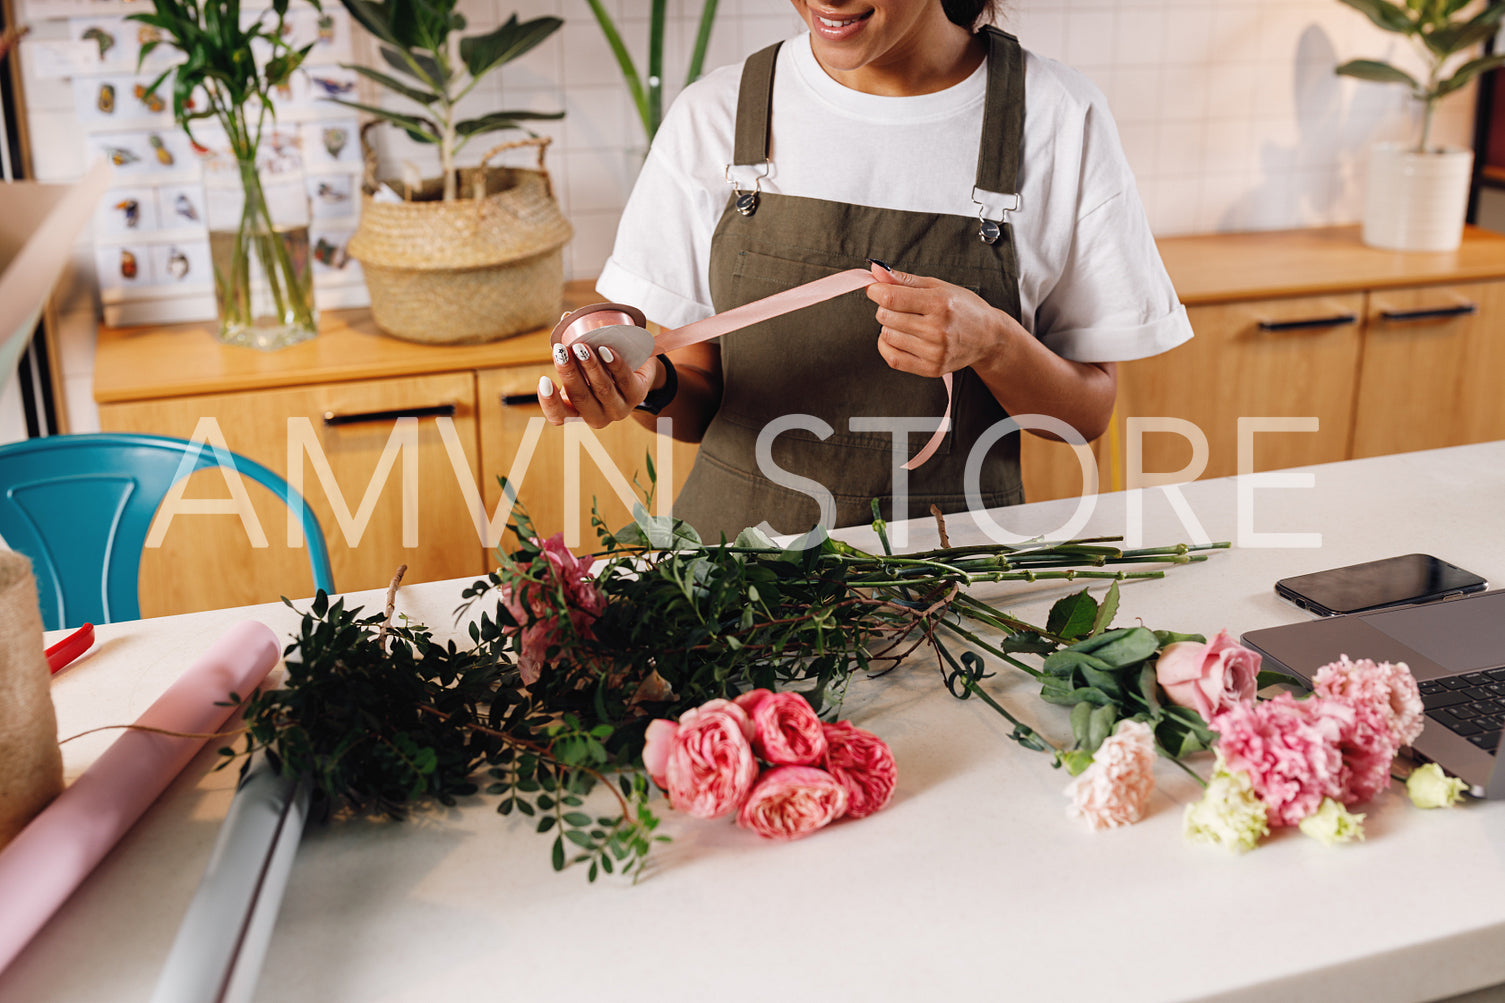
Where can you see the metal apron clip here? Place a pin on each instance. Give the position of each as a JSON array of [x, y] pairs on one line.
[[747, 201], [989, 230]]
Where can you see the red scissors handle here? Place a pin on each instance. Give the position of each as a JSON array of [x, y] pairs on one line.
[[70, 647]]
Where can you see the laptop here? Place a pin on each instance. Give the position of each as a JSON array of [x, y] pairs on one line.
[[1455, 649]]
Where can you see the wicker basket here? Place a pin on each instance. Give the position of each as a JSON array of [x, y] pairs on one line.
[[468, 270]]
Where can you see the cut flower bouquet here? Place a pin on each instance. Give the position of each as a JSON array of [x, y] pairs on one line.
[[717, 674]]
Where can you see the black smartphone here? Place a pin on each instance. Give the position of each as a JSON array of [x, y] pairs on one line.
[[1394, 581]]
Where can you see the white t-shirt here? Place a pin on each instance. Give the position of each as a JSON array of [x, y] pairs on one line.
[[1091, 282]]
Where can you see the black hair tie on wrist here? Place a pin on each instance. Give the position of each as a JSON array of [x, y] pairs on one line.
[[659, 399]]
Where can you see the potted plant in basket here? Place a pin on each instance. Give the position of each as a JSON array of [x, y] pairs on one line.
[[257, 203], [457, 258], [1417, 194]]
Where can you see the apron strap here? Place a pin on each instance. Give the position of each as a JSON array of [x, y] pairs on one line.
[[1002, 116], [754, 103]]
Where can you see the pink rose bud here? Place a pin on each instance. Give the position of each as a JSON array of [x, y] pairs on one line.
[[787, 732], [658, 744], [792, 801], [710, 766], [863, 764], [1208, 678]]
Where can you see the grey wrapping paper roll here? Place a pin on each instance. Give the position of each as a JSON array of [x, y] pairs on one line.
[[222, 941], [31, 765]]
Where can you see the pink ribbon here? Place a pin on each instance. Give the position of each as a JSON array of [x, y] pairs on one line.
[[589, 318]]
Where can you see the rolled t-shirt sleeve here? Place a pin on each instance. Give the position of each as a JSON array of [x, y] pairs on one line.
[[1114, 301], [661, 258]]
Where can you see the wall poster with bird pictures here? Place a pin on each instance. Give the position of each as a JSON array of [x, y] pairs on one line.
[[150, 235]]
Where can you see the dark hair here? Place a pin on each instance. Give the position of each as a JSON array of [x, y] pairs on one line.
[[967, 12]]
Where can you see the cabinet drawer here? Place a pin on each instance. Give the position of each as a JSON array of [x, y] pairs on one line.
[[511, 422], [1295, 357], [1433, 361], [207, 561]]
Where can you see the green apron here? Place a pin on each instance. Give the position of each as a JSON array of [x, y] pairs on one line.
[[823, 361]]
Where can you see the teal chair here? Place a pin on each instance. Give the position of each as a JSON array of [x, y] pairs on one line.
[[79, 506]]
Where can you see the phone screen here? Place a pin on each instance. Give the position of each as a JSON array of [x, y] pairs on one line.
[[1393, 581]]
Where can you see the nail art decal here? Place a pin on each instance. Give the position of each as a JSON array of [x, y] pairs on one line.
[[101, 38], [128, 269], [131, 209], [120, 156], [151, 99], [106, 100], [582, 352], [333, 88], [183, 206], [177, 264], [326, 29], [561, 356], [334, 142]]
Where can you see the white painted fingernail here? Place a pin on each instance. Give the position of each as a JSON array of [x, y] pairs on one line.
[[606, 355], [545, 387], [561, 356], [582, 351]]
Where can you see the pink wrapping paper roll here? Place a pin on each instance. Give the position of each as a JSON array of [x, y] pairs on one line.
[[52, 856]]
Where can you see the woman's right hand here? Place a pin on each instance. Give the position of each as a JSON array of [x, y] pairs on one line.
[[595, 386]]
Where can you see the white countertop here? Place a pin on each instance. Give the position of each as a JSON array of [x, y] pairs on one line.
[[973, 884]]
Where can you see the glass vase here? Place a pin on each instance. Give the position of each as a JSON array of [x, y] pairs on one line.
[[258, 215]]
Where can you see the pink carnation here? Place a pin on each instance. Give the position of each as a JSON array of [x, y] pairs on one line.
[[1289, 751], [1388, 687], [792, 801], [533, 605], [1113, 790], [786, 731], [863, 764], [1365, 744], [705, 762]]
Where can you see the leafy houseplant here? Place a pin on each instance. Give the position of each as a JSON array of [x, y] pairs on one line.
[[440, 268], [416, 42], [648, 92], [1418, 193], [262, 275]]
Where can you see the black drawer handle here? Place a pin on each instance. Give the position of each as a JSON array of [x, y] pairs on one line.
[[1336, 320], [518, 400], [430, 411], [1430, 313]]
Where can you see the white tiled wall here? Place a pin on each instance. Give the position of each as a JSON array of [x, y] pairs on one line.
[[1228, 109]]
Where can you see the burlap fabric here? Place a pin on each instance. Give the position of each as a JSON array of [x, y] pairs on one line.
[[31, 766]]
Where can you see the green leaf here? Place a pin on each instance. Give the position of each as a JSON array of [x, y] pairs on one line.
[[1385, 14], [483, 53], [1269, 677], [557, 856], [1058, 692], [1026, 642], [1149, 687], [1076, 760], [374, 18], [1065, 662], [499, 120], [393, 84], [1080, 715], [1100, 726], [413, 125], [1168, 637], [1123, 647], [1106, 611], [1072, 616], [1373, 69], [1468, 71]]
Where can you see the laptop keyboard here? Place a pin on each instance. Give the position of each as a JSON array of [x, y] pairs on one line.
[[1471, 705]]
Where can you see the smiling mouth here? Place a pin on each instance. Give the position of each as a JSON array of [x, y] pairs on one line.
[[831, 22]]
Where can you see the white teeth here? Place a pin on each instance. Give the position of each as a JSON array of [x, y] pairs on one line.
[[836, 24]]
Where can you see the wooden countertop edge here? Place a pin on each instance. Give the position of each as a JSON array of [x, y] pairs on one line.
[[1209, 269]]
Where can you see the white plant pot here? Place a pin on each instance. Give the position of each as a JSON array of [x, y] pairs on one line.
[[1416, 201]]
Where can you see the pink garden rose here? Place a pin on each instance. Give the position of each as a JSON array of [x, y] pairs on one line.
[[1113, 790], [792, 801], [1208, 678], [532, 605], [863, 764], [708, 767], [786, 731], [1289, 750], [1388, 687]]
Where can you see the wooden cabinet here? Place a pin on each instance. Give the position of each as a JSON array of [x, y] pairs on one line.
[[1387, 352], [558, 471], [384, 436]]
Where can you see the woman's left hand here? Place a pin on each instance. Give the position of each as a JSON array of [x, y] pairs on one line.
[[931, 327]]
